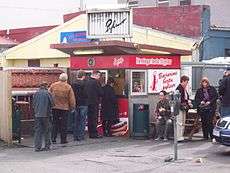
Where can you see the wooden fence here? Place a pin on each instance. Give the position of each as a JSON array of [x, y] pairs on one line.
[[5, 107]]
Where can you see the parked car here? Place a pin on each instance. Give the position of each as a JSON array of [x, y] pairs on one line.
[[221, 132]]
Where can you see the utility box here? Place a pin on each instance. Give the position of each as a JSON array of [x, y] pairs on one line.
[[140, 121]]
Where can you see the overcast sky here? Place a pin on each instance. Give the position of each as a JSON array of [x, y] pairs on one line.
[[26, 13]]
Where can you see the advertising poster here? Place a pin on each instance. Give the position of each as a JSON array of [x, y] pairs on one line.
[[163, 79]]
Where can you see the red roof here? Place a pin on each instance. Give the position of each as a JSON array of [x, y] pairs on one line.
[[70, 16], [24, 34], [7, 41], [180, 20]]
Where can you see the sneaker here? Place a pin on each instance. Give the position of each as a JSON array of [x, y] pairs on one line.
[[38, 149], [214, 141], [165, 139], [157, 139]]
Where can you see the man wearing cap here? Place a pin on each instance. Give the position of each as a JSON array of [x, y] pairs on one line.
[[64, 101], [224, 92], [42, 104]]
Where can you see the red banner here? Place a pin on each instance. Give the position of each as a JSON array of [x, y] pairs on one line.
[[126, 61]]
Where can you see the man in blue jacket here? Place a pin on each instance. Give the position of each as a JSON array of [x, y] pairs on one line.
[[42, 104]]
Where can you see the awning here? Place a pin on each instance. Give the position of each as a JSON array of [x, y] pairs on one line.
[[115, 47]]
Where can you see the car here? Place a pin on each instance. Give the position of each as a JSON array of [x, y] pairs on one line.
[[221, 131]]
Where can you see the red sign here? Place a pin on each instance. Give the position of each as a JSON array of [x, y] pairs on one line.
[[126, 61]]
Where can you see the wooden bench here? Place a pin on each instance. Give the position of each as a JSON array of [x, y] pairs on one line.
[[192, 123]]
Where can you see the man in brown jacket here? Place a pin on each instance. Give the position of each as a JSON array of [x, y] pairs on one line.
[[64, 101]]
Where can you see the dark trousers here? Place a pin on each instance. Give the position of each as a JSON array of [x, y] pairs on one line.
[[207, 123], [107, 126], [60, 124], [163, 127], [92, 119], [42, 129]]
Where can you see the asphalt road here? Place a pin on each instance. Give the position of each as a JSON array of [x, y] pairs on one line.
[[109, 155]]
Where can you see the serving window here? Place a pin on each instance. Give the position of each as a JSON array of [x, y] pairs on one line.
[[138, 82]]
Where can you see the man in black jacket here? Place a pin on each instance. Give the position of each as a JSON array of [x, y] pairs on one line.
[[94, 94], [81, 110], [224, 91]]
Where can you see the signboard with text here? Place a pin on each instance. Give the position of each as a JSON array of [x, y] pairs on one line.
[[112, 23], [163, 79], [73, 37], [126, 61]]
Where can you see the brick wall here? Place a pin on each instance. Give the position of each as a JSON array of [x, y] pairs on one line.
[[185, 21]]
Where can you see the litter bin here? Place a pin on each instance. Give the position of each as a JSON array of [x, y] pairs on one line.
[[140, 121]]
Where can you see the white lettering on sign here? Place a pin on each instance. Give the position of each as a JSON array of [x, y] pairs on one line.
[[161, 79], [153, 61], [118, 61]]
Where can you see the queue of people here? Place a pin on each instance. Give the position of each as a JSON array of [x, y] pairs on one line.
[[52, 106]]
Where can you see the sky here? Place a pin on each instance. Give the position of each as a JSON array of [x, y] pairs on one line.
[[29, 13]]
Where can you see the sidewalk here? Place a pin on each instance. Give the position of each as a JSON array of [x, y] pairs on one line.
[[118, 155]]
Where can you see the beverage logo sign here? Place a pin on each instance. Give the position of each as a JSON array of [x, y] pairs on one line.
[[91, 62], [118, 61], [166, 80]]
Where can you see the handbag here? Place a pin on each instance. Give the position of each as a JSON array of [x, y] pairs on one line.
[[205, 108], [184, 107]]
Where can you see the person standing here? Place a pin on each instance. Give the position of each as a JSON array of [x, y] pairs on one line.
[[224, 92], [64, 101], [81, 106], [42, 105], [205, 100], [109, 106], [163, 114], [94, 93], [185, 104]]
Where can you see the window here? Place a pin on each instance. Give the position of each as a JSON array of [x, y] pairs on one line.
[[185, 2], [34, 63], [133, 3], [163, 3], [138, 82], [227, 52]]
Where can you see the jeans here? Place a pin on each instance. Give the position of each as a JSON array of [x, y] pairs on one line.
[[80, 122], [42, 128], [225, 111]]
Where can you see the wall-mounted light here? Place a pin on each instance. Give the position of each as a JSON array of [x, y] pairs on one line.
[[87, 52]]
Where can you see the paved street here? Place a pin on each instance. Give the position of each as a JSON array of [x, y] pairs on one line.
[[116, 155]]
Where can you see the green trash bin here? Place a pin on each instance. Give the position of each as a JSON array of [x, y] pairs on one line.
[[140, 121]]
